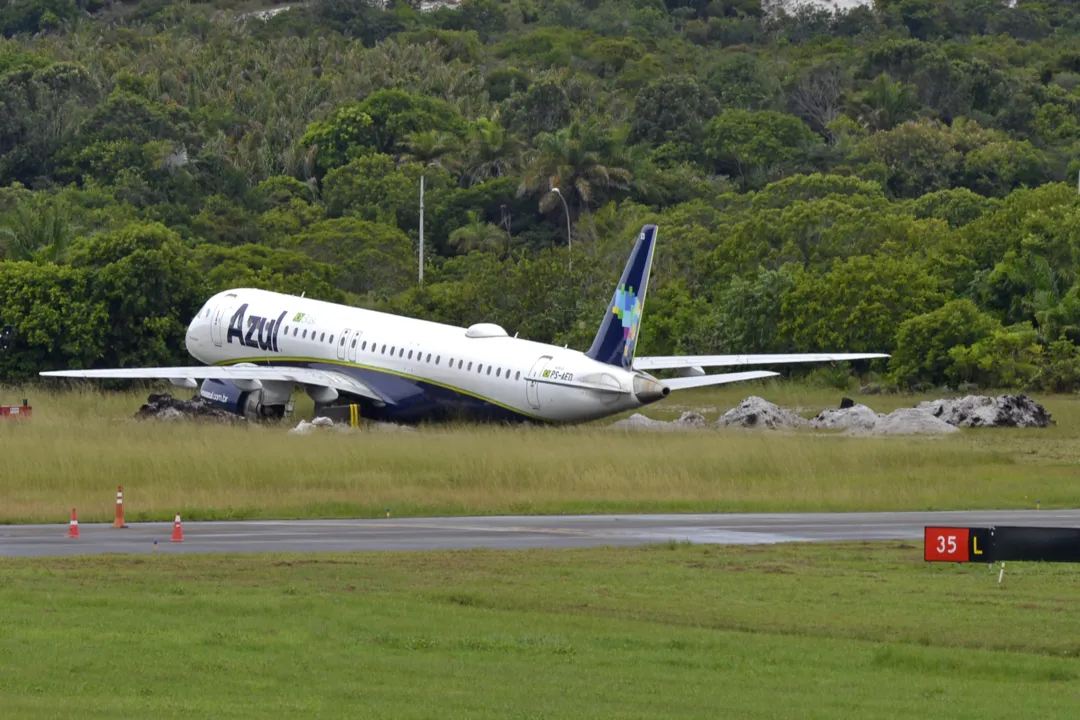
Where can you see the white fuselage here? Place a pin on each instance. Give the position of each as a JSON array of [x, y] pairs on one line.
[[419, 365]]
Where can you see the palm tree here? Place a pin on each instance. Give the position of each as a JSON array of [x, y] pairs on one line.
[[886, 104], [38, 234], [479, 235], [585, 161], [433, 147], [492, 152]]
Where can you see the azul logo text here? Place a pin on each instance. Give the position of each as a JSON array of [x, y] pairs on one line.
[[260, 333]]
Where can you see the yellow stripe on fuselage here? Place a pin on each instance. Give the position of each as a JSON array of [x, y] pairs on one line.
[[407, 376]]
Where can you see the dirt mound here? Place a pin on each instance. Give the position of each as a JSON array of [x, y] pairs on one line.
[[912, 421], [754, 412], [166, 407], [1018, 411], [856, 417]]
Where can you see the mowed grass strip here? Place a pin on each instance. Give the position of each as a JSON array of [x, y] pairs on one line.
[[79, 446], [848, 630]]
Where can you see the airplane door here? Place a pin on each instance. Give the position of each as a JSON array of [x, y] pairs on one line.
[[220, 321], [343, 343], [353, 343], [532, 388]]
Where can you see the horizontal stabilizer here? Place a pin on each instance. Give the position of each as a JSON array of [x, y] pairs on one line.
[[686, 361], [300, 376], [685, 383]]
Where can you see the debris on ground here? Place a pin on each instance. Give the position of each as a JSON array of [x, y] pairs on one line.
[[691, 419], [166, 407], [754, 412], [324, 423], [687, 421], [911, 421], [304, 427], [856, 417], [1017, 411]]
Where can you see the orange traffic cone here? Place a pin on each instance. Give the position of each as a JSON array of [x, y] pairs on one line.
[[73, 526], [119, 521], [177, 531]]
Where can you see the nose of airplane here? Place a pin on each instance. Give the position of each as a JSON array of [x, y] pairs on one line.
[[194, 334]]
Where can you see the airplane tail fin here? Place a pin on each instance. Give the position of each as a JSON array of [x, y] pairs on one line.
[[618, 334]]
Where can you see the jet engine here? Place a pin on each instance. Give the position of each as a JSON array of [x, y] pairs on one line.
[[251, 399]]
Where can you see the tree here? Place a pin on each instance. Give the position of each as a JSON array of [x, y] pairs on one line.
[[757, 146], [673, 109], [369, 258], [924, 342], [482, 236], [38, 230], [491, 152], [582, 161]]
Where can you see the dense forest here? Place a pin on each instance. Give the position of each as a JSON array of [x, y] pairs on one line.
[[899, 176]]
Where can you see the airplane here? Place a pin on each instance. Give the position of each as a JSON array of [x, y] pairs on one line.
[[258, 346]]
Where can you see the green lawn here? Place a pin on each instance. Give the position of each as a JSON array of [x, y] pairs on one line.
[[79, 446], [852, 630]]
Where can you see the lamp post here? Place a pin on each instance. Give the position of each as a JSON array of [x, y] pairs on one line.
[[569, 244], [420, 264]]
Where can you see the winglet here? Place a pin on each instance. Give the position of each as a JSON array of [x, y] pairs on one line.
[[619, 330]]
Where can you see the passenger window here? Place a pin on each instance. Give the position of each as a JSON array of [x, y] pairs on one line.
[[286, 329], [364, 346], [331, 340], [479, 368], [428, 358], [392, 349], [322, 337], [460, 362], [401, 352], [295, 330], [437, 359], [343, 339], [410, 354], [489, 369], [383, 349], [469, 368], [304, 335], [517, 375], [498, 373]]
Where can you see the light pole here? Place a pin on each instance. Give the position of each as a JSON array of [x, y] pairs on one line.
[[420, 264], [569, 244]]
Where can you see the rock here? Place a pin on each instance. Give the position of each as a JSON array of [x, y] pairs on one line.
[[845, 403], [754, 412], [691, 419], [912, 421], [166, 407], [856, 417], [1018, 411], [322, 422]]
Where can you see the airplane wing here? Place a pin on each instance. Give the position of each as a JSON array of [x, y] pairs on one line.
[[684, 383], [702, 361], [301, 376]]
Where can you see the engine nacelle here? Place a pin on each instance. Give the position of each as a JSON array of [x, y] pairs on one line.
[[257, 404]]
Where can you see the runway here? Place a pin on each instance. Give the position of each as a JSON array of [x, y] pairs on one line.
[[517, 532]]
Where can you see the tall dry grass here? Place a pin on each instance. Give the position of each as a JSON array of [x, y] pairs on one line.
[[80, 445]]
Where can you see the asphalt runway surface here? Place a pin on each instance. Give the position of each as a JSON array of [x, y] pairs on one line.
[[516, 532]]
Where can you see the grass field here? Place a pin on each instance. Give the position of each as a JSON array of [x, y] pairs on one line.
[[79, 446], [825, 631]]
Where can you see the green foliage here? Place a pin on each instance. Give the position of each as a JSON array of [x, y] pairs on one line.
[[923, 343], [758, 146], [895, 176]]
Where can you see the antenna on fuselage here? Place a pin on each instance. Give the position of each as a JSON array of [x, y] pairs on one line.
[[303, 293]]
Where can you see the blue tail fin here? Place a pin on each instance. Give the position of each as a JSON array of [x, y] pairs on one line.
[[615, 341]]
